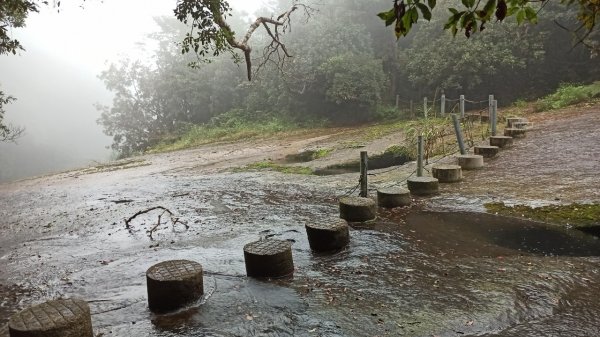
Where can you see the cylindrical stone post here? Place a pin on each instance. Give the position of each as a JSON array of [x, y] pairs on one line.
[[515, 133], [328, 237], [392, 197], [269, 258], [58, 318], [447, 173], [511, 120], [420, 156], [494, 116], [487, 151], [521, 125], [357, 209], [462, 106], [173, 285], [364, 169], [423, 185], [458, 132], [470, 161], [443, 105], [501, 141]]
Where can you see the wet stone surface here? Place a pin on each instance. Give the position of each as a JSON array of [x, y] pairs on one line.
[[408, 273], [325, 237], [174, 284], [175, 270], [268, 258], [65, 317], [267, 247], [333, 226], [357, 209]]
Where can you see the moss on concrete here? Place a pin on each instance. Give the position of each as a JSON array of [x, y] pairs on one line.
[[581, 216], [271, 166], [308, 155]]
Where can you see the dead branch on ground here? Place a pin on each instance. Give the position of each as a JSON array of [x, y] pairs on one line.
[[174, 220]]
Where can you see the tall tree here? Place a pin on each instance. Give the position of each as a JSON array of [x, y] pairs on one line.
[[8, 133], [12, 15]]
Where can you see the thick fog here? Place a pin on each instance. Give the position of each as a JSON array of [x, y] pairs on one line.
[[56, 85]]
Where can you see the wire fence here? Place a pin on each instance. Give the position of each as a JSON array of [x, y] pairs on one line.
[[419, 107], [468, 130]]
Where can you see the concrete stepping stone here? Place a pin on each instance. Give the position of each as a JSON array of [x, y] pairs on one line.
[[357, 209], [515, 133], [447, 173], [392, 197], [269, 258], [510, 121], [326, 237], [487, 151], [423, 185], [523, 125], [470, 161], [58, 318], [501, 141], [173, 285]]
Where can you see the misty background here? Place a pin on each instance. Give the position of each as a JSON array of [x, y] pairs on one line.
[[347, 68], [55, 80]]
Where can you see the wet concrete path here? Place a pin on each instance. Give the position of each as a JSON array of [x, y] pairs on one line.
[[412, 272]]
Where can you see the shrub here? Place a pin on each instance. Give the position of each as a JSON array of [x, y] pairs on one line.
[[568, 94]]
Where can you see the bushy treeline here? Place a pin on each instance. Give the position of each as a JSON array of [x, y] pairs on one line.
[[347, 67]]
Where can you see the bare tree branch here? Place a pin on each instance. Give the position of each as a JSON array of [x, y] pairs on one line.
[[11, 133], [174, 220], [211, 34]]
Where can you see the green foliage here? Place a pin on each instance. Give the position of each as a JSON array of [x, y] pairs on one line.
[[353, 81], [400, 151], [206, 38], [228, 131], [388, 113], [434, 61], [568, 94], [404, 15], [8, 133], [343, 71], [4, 99], [473, 16], [321, 153], [12, 15], [437, 136]]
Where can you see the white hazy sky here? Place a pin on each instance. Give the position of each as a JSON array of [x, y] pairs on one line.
[[101, 30], [55, 79]]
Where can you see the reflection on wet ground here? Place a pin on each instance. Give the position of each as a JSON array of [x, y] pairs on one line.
[[413, 273]]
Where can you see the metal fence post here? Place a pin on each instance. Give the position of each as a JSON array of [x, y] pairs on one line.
[[462, 106], [397, 101], [420, 156], [494, 116], [364, 191], [443, 105], [461, 144], [425, 107], [490, 103]]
